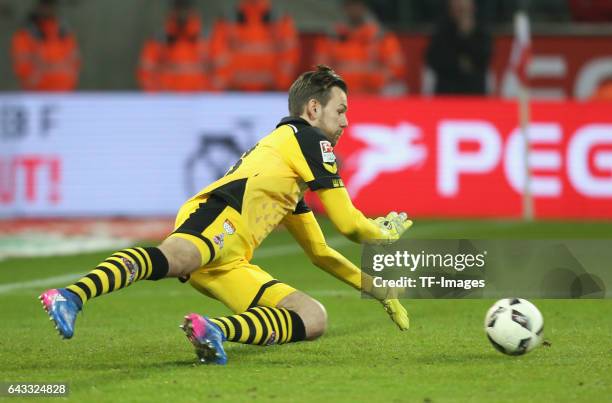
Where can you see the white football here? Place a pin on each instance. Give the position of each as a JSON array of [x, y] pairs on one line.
[[514, 326]]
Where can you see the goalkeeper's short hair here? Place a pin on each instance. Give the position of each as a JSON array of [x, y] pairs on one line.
[[316, 84]]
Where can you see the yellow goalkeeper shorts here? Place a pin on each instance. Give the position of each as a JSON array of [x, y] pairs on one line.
[[217, 230], [240, 285]]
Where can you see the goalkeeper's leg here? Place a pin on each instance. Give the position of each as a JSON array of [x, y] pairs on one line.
[[175, 257], [267, 311], [296, 318]]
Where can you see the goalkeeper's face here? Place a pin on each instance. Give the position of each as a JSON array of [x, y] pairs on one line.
[[332, 118]]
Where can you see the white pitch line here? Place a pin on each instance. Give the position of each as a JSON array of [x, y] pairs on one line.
[[43, 282], [264, 252]]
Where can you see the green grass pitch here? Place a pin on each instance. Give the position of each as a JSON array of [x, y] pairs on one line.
[[128, 346]]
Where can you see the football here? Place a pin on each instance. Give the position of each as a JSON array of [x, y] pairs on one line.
[[514, 326]]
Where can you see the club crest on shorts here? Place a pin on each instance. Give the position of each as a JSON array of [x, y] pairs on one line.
[[229, 227], [218, 239], [132, 268], [327, 151]]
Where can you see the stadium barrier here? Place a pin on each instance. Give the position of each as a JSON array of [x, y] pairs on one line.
[[562, 66], [141, 155]]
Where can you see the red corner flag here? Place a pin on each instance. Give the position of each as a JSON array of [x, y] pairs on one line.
[[521, 47]]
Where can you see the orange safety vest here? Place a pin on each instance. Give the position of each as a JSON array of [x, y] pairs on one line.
[[256, 52], [45, 57], [367, 58], [178, 62]]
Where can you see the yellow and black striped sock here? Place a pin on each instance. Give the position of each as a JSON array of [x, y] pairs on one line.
[[120, 270], [262, 325]]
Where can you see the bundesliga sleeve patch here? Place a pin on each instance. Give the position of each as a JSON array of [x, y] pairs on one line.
[[318, 153], [327, 152]]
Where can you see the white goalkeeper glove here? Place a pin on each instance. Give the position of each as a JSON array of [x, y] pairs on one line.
[[393, 225]]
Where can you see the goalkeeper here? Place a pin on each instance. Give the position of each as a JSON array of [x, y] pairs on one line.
[[218, 230]]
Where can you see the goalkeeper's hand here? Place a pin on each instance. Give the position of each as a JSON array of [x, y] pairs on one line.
[[393, 225], [397, 313]]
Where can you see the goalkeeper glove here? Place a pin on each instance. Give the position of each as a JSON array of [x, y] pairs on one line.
[[393, 225], [397, 313]]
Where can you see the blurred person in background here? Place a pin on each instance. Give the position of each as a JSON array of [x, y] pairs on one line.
[[255, 50], [460, 51], [369, 58], [45, 53], [179, 59]]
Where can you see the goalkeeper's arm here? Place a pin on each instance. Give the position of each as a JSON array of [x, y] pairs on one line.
[[306, 230], [353, 224]]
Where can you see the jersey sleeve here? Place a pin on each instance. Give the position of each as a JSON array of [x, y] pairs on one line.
[[320, 170], [307, 232]]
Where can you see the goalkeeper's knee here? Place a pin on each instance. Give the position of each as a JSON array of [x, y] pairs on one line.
[[311, 311], [183, 256], [315, 320]]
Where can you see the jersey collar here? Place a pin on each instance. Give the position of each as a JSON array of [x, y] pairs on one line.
[[292, 120]]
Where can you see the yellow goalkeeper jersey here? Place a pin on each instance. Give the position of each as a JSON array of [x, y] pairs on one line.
[[269, 180]]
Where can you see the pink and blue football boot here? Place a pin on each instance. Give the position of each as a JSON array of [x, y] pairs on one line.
[[62, 306], [206, 337]]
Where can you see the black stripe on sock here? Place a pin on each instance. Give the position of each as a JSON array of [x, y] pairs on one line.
[[122, 271], [140, 253], [252, 329], [75, 293], [265, 330], [280, 334], [298, 329], [272, 322], [159, 263], [111, 277], [146, 257], [226, 328], [287, 317], [135, 261], [97, 282], [237, 328], [262, 289], [85, 289]]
